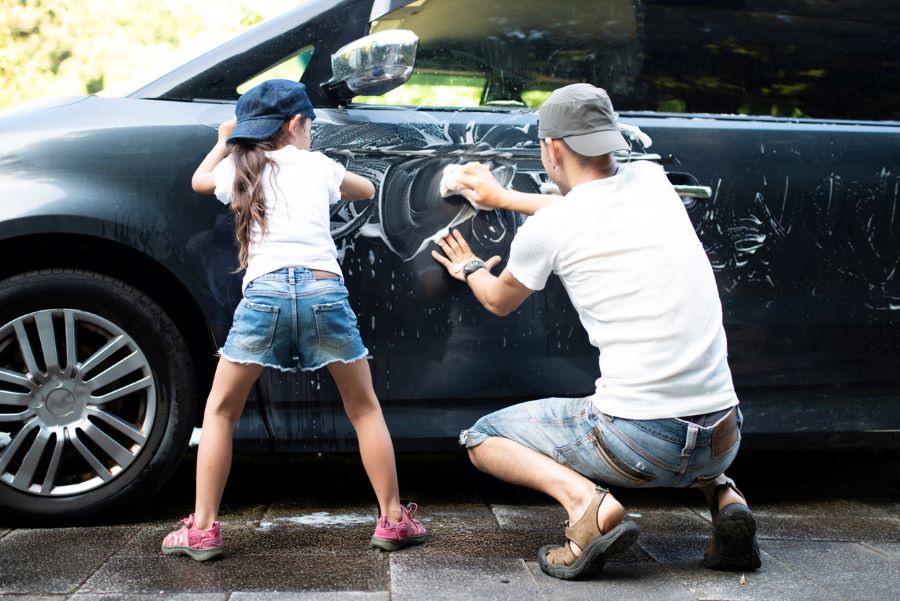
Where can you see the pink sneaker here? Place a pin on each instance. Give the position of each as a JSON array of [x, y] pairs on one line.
[[196, 544], [391, 536]]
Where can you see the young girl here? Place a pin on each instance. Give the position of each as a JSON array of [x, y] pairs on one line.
[[295, 310]]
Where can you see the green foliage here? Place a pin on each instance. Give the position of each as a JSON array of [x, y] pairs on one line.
[[74, 47]]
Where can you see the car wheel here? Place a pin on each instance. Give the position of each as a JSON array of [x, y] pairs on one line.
[[97, 395]]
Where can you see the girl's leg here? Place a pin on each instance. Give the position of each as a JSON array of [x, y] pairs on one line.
[[354, 381], [230, 388]]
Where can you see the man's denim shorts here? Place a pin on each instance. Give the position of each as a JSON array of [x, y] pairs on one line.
[[288, 320], [675, 452]]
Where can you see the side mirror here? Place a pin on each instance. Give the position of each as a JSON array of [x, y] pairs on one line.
[[372, 65]]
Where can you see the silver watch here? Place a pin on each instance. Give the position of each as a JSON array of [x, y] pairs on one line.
[[471, 267]]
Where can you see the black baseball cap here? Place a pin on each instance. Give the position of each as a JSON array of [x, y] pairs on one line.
[[583, 116], [261, 110]]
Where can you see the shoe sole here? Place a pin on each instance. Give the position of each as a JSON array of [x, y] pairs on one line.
[[594, 555], [734, 546], [395, 545], [195, 554]]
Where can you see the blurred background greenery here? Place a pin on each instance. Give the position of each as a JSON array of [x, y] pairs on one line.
[[73, 47]]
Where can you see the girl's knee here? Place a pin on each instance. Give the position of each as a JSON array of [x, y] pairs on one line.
[[223, 407]]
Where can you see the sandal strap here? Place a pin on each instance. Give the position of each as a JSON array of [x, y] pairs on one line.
[[586, 528]]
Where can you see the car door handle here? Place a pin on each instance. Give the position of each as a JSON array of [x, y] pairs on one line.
[[701, 192]]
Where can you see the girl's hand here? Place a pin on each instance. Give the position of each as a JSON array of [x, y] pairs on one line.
[[225, 130], [458, 253], [480, 186]]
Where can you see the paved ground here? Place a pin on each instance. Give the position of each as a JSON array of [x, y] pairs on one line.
[[297, 528]]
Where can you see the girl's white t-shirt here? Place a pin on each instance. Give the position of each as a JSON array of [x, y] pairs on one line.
[[299, 193], [627, 254]]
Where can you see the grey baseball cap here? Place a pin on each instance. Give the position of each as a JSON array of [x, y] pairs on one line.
[[583, 116]]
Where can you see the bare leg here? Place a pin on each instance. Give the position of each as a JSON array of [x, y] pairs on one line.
[[230, 388], [354, 381], [727, 496], [514, 462]]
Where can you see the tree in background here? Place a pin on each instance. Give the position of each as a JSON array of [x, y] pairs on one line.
[[75, 47]]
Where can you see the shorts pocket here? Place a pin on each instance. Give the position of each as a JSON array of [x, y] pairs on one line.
[[615, 464], [335, 324], [254, 325]]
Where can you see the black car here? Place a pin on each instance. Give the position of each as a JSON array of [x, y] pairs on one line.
[[776, 121]]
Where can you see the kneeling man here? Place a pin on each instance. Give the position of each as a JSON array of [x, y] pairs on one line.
[[664, 412]]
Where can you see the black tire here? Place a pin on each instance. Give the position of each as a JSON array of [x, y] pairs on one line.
[[148, 411]]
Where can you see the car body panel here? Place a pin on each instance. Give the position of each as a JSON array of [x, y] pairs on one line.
[[800, 230]]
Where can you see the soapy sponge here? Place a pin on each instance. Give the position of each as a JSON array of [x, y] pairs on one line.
[[450, 185]]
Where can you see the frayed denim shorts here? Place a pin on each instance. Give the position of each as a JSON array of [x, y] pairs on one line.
[[631, 453], [289, 320]]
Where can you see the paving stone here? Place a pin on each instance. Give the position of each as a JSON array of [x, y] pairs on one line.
[[825, 508], [316, 596], [848, 569], [681, 556], [633, 581], [149, 597], [322, 571], [415, 577], [841, 528], [891, 550], [32, 597], [268, 539], [528, 517], [55, 560]]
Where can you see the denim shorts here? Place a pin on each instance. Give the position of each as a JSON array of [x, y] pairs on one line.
[[615, 451], [289, 320]]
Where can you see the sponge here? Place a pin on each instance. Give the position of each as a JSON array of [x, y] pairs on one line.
[[450, 185]]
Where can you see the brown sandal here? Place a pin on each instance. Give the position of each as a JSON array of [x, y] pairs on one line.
[[561, 562]]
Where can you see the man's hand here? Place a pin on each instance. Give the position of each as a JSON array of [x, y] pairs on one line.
[[480, 186], [458, 253]]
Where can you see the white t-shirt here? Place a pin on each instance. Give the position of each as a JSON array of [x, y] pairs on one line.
[[628, 256], [298, 200]]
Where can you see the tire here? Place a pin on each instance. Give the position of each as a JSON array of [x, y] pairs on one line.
[[98, 414]]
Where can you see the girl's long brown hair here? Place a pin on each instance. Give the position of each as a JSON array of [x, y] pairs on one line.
[[248, 201]]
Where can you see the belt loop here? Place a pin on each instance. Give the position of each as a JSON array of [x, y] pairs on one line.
[[690, 440], [292, 275]]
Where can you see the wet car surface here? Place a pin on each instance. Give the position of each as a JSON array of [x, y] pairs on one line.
[[119, 287]]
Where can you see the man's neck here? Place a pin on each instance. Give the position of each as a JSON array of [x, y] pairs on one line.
[[581, 175]]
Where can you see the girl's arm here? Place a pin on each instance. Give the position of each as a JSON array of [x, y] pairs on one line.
[[203, 181], [356, 187]]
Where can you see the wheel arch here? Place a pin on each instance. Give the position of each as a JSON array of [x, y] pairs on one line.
[[90, 253]]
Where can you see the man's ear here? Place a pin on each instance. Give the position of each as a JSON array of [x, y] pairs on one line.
[[554, 151]]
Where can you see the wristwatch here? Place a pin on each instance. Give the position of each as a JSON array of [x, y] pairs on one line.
[[471, 267]]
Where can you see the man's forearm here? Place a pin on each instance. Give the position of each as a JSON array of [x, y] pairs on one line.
[[526, 203], [485, 287]]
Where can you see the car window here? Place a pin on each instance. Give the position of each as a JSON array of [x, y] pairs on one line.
[[291, 68], [819, 59]]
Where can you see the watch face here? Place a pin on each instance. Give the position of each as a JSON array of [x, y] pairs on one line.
[[472, 266]]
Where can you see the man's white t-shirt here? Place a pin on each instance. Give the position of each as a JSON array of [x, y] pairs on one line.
[[298, 199], [628, 256]]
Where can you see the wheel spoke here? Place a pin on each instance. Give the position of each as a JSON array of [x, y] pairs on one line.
[[119, 424], [89, 457], [71, 342], [16, 442], [44, 322], [53, 468], [119, 370], [16, 378], [108, 349], [25, 475], [16, 399], [25, 347], [144, 382], [120, 454], [16, 417]]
